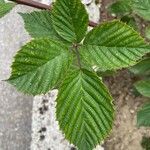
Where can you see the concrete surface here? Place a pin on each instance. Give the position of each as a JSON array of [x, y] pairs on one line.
[[45, 130], [15, 108]]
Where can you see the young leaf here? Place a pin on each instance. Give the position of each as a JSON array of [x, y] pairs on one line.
[[39, 24], [142, 8], [84, 109], [39, 66], [143, 116], [143, 87], [113, 45], [70, 19], [5, 8], [142, 68]]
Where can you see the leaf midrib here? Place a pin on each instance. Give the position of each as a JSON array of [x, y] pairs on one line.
[[82, 106], [83, 110]]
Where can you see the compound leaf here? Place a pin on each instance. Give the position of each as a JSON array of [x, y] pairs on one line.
[[39, 24], [70, 19], [84, 109], [142, 8], [113, 45], [39, 66], [143, 116], [5, 8], [143, 87]]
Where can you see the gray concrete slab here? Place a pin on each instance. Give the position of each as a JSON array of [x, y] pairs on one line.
[[15, 108]]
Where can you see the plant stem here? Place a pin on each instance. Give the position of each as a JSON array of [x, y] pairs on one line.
[[43, 6], [92, 24], [32, 4], [77, 54]]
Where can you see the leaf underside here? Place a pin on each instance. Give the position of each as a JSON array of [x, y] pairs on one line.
[[39, 66], [113, 45], [143, 116], [85, 114], [70, 20]]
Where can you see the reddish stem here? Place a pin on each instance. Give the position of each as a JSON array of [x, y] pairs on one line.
[[32, 4], [92, 24], [43, 6]]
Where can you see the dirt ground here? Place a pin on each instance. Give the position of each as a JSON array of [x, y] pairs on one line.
[[125, 134]]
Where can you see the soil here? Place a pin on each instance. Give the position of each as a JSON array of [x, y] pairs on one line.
[[125, 134]]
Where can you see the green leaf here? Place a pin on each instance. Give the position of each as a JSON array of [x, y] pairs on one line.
[[143, 116], [143, 87], [120, 7], [84, 109], [147, 32], [130, 21], [39, 24], [142, 8], [106, 73], [113, 45], [70, 20], [145, 142], [5, 8], [142, 68], [39, 66]]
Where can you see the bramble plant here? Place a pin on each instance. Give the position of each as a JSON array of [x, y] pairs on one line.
[[5, 7], [146, 143], [63, 54], [132, 12], [128, 11], [142, 69]]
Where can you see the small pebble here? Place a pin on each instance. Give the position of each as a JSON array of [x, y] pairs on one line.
[[45, 101], [132, 111], [42, 137], [43, 129]]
